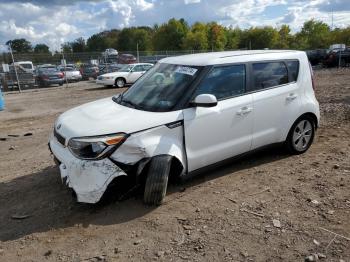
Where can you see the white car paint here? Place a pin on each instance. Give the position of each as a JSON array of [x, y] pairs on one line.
[[197, 136], [130, 76]]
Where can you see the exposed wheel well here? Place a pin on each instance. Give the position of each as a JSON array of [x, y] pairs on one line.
[[176, 169], [312, 116]]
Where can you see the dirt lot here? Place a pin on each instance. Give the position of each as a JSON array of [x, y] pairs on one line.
[[266, 207]]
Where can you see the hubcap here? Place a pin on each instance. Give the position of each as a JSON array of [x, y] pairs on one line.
[[302, 135], [120, 83]]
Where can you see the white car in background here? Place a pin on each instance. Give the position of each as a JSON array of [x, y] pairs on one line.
[[71, 74], [128, 74]]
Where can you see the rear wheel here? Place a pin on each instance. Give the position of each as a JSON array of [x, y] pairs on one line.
[[301, 135], [157, 180], [120, 82]]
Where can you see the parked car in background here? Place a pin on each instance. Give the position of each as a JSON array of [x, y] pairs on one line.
[[128, 74], [27, 66], [108, 68], [337, 57], [126, 59], [49, 76], [317, 56], [214, 107], [71, 74], [89, 71], [46, 66]]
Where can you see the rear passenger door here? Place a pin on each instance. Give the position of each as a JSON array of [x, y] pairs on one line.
[[276, 100]]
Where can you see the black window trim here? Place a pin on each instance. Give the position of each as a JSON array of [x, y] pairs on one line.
[[251, 87], [211, 67]]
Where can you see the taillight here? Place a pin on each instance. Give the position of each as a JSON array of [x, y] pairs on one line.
[[312, 77], [61, 75]]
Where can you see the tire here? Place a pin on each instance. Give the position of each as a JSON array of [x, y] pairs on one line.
[[157, 180], [60, 84], [120, 82], [301, 135]]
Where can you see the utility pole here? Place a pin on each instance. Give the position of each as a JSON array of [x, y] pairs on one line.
[[65, 72], [137, 52], [332, 20], [14, 66]]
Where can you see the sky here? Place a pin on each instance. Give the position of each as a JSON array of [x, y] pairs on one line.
[[54, 22]]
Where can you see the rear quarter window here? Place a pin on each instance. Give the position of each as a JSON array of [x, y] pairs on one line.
[[269, 74], [293, 68]]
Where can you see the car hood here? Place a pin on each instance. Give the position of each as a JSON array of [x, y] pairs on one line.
[[105, 116]]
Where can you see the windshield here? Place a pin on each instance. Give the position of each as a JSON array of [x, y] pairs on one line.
[[126, 68], [160, 89], [26, 66]]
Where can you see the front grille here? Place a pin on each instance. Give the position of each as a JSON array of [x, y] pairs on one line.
[[59, 138]]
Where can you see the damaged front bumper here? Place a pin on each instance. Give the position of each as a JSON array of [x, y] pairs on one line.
[[89, 179]]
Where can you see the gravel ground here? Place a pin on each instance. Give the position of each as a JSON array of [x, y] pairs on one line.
[[269, 206]]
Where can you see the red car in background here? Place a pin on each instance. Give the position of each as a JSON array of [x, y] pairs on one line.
[[126, 59]]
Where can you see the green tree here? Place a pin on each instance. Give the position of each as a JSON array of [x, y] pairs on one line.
[[314, 34], [233, 37], [20, 45], [67, 47], [197, 38], [216, 36], [284, 38], [97, 43], [259, 38], [171, 35], [41, 48], [78, 45], [130, 37]]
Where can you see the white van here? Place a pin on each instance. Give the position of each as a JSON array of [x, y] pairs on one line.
[[205, 109], [27, 66]]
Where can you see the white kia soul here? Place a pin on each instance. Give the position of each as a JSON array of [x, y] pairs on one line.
[[185, 114]]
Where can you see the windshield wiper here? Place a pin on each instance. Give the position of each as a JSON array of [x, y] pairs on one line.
[[129, 103]]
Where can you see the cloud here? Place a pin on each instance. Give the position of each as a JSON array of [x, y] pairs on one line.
[[56, 21]]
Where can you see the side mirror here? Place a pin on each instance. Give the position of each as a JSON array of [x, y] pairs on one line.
[[205, 100]]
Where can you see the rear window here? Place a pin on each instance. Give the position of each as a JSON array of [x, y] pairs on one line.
[[269, 74], [293, 68]]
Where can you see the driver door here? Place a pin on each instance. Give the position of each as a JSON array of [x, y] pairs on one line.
[[218, 133], [135, 73]]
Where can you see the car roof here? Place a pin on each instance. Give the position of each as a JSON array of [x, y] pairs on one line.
[[134, 64], [225, 57]]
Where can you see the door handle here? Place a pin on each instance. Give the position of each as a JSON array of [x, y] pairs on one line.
[[244, 110], [291, 97]]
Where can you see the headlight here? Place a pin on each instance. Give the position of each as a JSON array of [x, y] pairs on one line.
[[95, 148]]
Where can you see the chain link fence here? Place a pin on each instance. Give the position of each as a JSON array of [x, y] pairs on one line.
[[23, 73]]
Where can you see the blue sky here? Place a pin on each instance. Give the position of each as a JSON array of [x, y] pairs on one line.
[[56, 21]]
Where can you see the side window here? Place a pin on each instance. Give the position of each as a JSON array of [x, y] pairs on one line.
[[269, 74], [138, 68], [293, 67], [224, 82]]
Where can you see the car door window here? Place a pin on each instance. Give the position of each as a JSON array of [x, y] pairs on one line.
[[224, 82], [138, 68], [269, 74]]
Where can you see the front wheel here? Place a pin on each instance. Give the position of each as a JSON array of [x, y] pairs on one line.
[[119, 82], [301, 135], [157, 180]]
